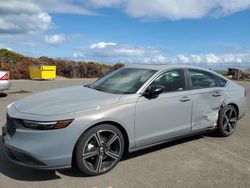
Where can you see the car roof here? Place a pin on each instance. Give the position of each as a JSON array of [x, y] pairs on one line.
[[160, 67]]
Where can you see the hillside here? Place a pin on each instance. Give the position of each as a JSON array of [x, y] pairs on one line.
[[17, 65]]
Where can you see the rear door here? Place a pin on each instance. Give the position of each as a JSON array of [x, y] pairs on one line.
[[207, 99]]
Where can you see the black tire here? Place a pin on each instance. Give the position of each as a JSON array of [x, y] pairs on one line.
[[227, 121], [99, 149]]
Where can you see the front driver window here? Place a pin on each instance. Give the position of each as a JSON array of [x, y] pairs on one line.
[[173, 80]]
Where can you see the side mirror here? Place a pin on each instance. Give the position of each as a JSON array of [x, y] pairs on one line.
[[153, 91]]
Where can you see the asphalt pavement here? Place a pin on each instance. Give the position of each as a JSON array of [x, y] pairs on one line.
[[200, 161]]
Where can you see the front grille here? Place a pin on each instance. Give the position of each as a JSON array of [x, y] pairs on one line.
[[11, 125]]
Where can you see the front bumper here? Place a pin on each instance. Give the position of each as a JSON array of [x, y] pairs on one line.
[[17, 156], [51, 149], [22, 158], [4, 85]]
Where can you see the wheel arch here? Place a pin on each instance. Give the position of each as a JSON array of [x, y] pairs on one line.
[[235, 106], [120, 127]]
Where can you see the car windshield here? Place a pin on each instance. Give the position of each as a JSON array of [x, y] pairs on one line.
[[123, 80]]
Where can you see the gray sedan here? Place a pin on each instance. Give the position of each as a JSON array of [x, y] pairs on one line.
[[4, 80], [131, 108]]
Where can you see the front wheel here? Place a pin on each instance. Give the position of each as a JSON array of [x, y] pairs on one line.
[[227, 120], [99, 149]]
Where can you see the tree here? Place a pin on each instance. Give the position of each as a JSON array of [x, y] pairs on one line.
[[18, 65]]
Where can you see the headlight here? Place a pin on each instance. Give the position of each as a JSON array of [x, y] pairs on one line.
[[45, 125]]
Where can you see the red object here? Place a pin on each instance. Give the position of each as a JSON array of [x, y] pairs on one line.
[[5, 77]]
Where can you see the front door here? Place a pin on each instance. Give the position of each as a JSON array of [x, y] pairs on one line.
[[168, 115]]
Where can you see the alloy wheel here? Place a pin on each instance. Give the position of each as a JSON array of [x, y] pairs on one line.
[[229, 120], [102, 151]]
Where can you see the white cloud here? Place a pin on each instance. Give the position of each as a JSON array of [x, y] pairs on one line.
[[22, 17], [105, 3], [54, 39], [182, 58], [236, 58], [129, 51], [184, 9], [44, 17], [170, 9], [102, 45], [175, 9], [4, 25], [114, 52], [149, 9], [159, 59], [196, 58], [231, 6], [111, 51], [27, 16], [18, 7], [211, 58], [78, 55], [64, 6]]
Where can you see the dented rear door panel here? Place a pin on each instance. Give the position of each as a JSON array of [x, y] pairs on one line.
[[206, 105]]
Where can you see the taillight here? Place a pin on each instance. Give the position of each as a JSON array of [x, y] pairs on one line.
[[5, 77]]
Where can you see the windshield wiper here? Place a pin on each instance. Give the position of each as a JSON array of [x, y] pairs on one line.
[[97, 88], [87, 85]]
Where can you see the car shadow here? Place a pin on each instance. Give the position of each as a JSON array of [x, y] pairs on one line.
[[213, 134], [160, 147], [3, 94], [26, 174], [76, 173]]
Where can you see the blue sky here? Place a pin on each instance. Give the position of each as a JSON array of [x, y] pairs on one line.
[[145, 31]]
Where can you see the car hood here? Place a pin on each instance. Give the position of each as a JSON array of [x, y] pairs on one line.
[[65, 100]]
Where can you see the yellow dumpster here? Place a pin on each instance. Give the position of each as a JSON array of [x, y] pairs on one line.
[[42, 72]]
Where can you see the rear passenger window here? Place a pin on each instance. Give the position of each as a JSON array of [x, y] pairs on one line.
[[201, 79], [220, 81]]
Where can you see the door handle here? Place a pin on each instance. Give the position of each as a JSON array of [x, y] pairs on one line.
[[185, 99], [217, 94]]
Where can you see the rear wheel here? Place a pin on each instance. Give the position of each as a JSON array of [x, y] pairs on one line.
[[227, 120], [99, 149]]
